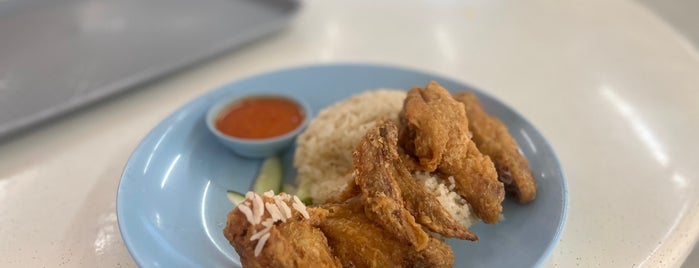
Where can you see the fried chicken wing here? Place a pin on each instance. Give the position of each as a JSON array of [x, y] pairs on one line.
[[298, 242], [378, 151], [436, 254], [435, 130], [373, 163], [428, 145], [360, 242], [493, 139], [428, 211]]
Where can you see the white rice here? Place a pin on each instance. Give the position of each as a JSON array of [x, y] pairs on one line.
[[324, 152], [450, 200]]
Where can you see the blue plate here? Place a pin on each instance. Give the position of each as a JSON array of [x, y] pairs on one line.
[[172, 201]]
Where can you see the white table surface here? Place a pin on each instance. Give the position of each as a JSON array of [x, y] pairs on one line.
[[612, 86]]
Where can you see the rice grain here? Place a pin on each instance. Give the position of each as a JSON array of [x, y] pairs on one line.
[[324, 150]]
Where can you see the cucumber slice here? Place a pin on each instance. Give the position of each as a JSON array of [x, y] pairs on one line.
[[307, 200], [304, 196], [288, 188], [269, 177], [235, 197]]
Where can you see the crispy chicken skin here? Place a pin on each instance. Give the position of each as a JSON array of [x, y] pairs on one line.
[[359, 242], [384, 179], [423, 133], [296, 243], [493, 139], [383, 203], [435, 132]]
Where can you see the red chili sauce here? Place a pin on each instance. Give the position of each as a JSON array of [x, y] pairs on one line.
[[260, 118]]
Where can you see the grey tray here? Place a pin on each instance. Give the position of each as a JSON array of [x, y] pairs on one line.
[[57, 55]]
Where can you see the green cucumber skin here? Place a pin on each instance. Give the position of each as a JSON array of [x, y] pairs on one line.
[[269, 177], [288, 188], [235, 197]]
